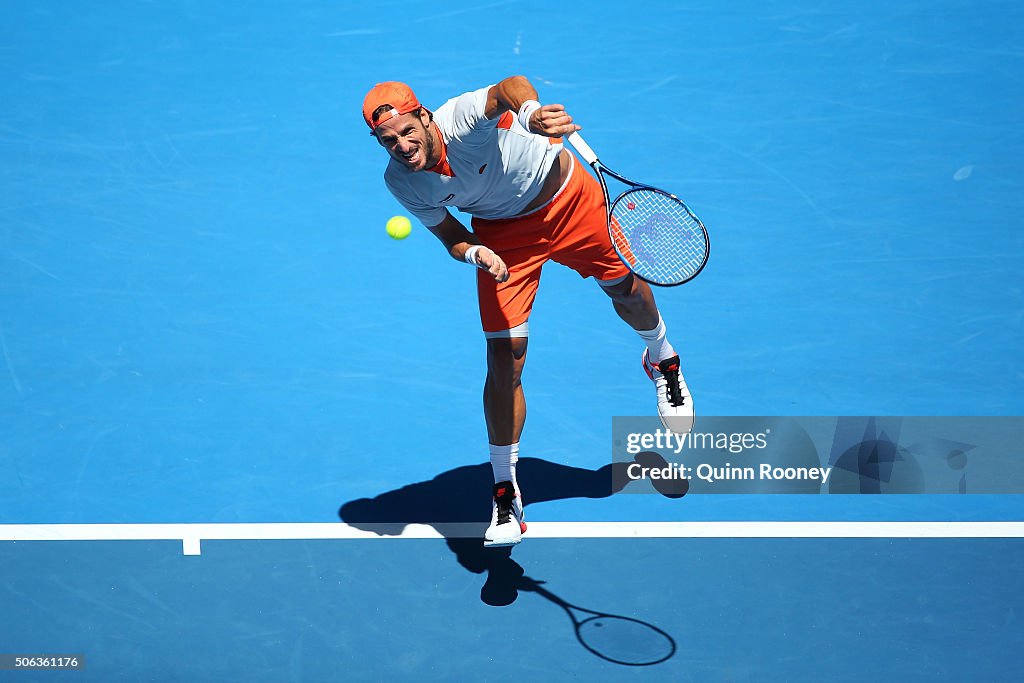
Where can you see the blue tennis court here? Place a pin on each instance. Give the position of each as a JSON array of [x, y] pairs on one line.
[[242, 435]]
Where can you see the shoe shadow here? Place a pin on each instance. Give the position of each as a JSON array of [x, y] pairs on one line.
[[462, 495]]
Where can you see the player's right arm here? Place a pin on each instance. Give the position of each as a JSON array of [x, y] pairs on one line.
[[458, 240], [512, 93]]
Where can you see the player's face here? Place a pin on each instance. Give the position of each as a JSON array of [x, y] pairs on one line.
[[408, 140]]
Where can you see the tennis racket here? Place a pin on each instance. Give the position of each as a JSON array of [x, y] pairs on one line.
[[613, 638], [653, 232]]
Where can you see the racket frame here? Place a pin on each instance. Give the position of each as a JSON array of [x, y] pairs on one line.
[[590, 157]]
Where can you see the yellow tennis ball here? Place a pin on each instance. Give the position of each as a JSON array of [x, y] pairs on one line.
[[399, 227]]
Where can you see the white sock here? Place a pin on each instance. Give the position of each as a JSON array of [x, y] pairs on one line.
[[503, 464], [657, 343]]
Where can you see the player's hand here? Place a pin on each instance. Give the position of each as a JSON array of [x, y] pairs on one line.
[[492, 263], [553, 121]]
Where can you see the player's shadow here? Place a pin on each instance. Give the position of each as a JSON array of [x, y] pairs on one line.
[[462, 495]]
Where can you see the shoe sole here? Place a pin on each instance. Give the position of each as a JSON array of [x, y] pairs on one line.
[[505, 544], [678, 425]]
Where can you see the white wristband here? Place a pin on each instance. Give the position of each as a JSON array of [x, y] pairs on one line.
[[470, 255], [525, 112]]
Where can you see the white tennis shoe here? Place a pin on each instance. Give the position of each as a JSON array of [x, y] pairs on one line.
[[507, 525], [675, 405]]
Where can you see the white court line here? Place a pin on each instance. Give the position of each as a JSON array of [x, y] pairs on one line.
[[191, 535]]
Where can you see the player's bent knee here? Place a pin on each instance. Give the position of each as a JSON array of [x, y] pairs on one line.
[[621, 288]]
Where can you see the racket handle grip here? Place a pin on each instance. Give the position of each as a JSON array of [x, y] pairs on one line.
[[582, 147]]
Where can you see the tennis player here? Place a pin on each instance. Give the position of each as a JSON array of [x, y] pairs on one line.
[[496, 154]]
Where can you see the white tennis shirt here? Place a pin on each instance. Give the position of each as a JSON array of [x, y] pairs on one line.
[[494, 166]]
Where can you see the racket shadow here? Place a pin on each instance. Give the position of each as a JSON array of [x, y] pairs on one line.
[[612, 637]]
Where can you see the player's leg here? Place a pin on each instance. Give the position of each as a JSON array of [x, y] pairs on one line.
[[504, 311], [504, 401], [582, 243], [505, 412], [633, 300]]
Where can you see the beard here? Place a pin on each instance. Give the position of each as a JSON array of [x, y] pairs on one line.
[[428, 146]]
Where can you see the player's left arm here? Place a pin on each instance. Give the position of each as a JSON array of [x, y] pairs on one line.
[[550, 120], [458, 240]]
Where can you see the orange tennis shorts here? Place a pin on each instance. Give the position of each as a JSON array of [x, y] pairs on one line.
[[571, 229]]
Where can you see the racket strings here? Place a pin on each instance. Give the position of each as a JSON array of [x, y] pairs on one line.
[[660, 239]]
